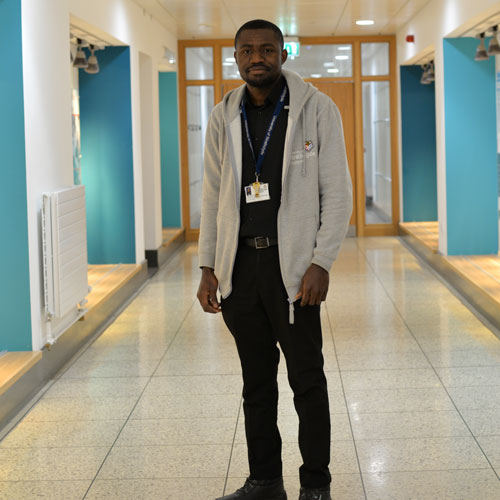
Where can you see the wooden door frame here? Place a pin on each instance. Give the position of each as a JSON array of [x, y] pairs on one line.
[[362, 229]]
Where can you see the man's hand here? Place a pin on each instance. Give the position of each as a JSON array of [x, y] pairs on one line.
[[207, 291], [314, 286]]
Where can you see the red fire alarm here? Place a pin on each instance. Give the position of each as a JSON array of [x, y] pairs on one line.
[[410, 38]]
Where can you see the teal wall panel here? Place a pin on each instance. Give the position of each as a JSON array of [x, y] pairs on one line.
[[169, 141], [15, 304], [107, 161], [418, 126], [471, 150]]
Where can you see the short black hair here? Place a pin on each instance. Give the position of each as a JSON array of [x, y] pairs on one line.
[[260, 24]]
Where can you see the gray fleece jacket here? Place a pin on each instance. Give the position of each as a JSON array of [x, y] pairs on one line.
[[316, 199]]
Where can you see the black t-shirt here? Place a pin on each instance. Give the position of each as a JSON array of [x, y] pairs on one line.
[[260, 218]]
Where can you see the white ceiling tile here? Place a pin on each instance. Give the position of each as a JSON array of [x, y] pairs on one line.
[[221, 18]]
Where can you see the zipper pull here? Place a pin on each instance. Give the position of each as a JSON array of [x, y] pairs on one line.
[[291, 318]]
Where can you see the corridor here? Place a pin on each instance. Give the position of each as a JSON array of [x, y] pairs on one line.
[[152, 409]]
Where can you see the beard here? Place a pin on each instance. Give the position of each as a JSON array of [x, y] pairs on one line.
[[265, 80]]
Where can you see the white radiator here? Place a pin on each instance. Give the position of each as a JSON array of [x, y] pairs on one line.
[[64, 256]]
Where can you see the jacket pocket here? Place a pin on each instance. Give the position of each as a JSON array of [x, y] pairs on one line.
[[299, 243]]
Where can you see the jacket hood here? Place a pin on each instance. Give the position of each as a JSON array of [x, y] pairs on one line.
[[300, 92]]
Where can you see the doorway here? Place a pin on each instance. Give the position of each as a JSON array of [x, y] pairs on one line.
[[342, 94], [357, 73]]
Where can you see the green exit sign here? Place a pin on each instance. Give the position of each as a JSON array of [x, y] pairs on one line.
[[293, 48]]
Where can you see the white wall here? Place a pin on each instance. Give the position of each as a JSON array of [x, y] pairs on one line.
[[47, 100], [437, 20]]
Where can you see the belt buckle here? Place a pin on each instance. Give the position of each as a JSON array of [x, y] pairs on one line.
[[261, 242]]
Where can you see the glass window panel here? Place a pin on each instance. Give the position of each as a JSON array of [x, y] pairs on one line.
[[375, 59], [322, 61], [229, 66], [199, 63], [200, 102], [377, 156]]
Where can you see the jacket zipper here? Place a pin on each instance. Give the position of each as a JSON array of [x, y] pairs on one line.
[[291, 316]]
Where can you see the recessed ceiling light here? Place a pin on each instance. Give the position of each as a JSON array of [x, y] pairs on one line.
[[333, 70], [341, 58], [315, 75], [227, 64], [346, 47], [230, 59], [365, 22], [329, 64]]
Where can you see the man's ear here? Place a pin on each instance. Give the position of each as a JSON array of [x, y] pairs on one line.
[[284, 56]]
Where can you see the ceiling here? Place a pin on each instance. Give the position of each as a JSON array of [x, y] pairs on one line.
[[221, 18]]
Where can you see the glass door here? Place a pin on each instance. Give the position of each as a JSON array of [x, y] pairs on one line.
[[379, 164], [357, 74]]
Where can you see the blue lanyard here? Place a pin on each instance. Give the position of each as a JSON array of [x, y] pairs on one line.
[[270, 128]]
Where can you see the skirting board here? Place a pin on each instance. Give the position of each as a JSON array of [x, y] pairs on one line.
[[158, 257], [94, 323]]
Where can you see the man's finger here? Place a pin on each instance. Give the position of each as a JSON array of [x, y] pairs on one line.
[[305, 298], [214, 303], [204, 299], [209, 307], [314, 299]]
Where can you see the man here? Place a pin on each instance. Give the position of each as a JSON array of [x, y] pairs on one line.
[[276, 205]]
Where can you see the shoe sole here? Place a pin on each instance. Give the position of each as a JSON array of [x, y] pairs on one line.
[[280, 497]]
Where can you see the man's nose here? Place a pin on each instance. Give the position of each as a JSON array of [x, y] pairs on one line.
[[256, 57]]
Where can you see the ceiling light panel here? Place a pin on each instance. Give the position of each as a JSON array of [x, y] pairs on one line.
[[221, 18], [389, 16]]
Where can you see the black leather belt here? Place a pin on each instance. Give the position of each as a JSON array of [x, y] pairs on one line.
[[260, 242]]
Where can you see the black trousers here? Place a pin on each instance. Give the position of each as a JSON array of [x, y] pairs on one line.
[[257, 314]]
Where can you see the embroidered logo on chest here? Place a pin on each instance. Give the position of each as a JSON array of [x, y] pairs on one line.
[[308, 146]]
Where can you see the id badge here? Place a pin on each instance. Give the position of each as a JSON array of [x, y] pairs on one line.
[[258, 191]]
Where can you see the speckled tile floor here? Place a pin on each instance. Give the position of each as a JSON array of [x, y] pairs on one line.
[[152, 409]]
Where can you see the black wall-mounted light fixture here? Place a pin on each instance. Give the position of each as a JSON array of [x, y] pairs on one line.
[[494, 47], [481, 54], [93, 65], [428, 73], [80, 60]]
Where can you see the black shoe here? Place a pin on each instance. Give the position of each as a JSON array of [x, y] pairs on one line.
[[315, 493], [255, 489]]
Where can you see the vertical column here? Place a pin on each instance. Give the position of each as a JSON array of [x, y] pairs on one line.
[[107, 161], [151, 174], [15, 305], [418, 127], [470, 144], [169, 140]]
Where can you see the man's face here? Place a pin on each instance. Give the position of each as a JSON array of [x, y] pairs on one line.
[[259, 57]]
